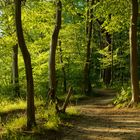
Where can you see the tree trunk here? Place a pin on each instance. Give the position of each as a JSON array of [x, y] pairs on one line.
[[63, 69], [54, 40], [65, 104], [134, 53], [87, 83], [28, 67], [15, 77], [107, 71]]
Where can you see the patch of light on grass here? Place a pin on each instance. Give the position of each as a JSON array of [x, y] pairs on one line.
[[52, 125], [16, 123], [10, 106], [72, 110], [39, 101], [20, 104], [53, 119]]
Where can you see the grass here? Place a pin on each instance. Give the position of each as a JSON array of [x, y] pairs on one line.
[[12, 127], [13, 117], [14, 124], [19, 104], [71, 110], [71, 113], [50, 118], [9, 106], [47, 122]]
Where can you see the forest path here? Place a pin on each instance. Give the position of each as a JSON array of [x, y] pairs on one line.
[[99, 120]]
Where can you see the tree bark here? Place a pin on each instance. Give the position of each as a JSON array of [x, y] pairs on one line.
[[63, 69], [65, 104], [28, 66], [134, 53], [107, 72], [15, 76], [54, 40], [87, 83]]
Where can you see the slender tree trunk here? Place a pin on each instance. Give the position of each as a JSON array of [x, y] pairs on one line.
[[28, 66], [121, 77], [54, 40], [87, 83], [134, 53], [107, 71], [106, 74], [87, 18], [63, 69], [112, 61], [15, 77]]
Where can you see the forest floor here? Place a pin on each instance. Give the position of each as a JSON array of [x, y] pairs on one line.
[[99, 120]]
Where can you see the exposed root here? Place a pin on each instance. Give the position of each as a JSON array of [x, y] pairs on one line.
[[65, 104], [132, 104]]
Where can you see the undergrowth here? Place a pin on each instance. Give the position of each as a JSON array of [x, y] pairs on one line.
[[14, 125], [18, 104], [123, 98]]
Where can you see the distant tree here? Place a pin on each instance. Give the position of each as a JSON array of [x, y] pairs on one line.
[[106, 42], [107, 72], [134, 53], [28, 66], [15, 76], [63, 68]]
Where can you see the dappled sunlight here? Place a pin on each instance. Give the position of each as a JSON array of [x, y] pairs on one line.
[[10, 106], [71, 110], [17, 105], [104, 122], [69, 70]]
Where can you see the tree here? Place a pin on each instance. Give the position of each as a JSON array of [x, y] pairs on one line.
[[63, 68], [108, 71], [15, 76], [87, 83], [28, 66], [54, 40], [133, 53]]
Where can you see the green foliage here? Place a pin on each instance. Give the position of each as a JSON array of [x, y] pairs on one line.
[[71, 110], [7, 106], [38, 23], [123, 98], [71, 113], [15, 126], [119, 14], [38, 19], [53, 119], [47, 120], [16, 136], [16, 123]]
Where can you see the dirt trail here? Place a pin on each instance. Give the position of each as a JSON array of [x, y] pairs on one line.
[[100, 121]]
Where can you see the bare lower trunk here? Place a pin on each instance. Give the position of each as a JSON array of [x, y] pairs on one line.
[[28, 66], [133, 53], [54, 40]]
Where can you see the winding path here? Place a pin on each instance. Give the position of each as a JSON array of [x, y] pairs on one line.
[[98, 120]]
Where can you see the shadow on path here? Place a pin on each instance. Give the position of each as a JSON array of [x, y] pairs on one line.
[[98, 120]]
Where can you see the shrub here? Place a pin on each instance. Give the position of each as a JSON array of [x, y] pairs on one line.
[[123, 98]]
